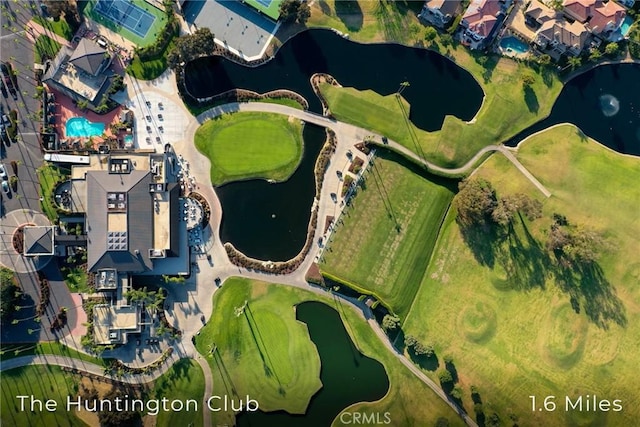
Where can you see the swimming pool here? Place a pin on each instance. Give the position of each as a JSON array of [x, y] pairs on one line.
[[128, 139], [81, 127], [514, 44], [626, 25]]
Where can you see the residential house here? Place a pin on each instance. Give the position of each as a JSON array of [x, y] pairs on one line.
[[481, 22], [562, 36], [601, 18], [440, 13]]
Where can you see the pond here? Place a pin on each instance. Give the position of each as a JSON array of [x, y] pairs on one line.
[[269, 221], [604, 103], [437, 86], [347, 375]]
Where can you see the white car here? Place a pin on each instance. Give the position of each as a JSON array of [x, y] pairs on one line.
[[3, 172], [5, 187]]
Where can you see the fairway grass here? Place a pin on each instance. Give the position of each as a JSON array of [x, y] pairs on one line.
[[237, 362], [183, 381], [513, 339], [250, 145], [41, 382], [369, 251]]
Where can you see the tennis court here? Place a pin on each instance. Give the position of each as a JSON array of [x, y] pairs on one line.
[[126, 14]]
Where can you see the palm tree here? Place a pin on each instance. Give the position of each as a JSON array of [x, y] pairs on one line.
[[574, 62]]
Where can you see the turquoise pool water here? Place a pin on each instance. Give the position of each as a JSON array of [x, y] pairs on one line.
[[128, 139], [514, 44], [626, 25], [81, 127]]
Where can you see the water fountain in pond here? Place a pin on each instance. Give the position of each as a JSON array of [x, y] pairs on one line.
[[609, 105]]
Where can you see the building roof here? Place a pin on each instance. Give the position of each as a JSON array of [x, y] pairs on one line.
[[610, 13], [119, 220], [540, 12], [580, 9], [88, 56], [446, 7], [111, 324], [481, 16], [38, 240], [571, 34]]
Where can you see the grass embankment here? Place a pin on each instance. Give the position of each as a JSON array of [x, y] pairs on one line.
[[149, 69], [48, 176], [45, 47], [59, 27], [9, 351], [250, 145], [237, 362], [183, 381], [507, 107], [389, 232], [509, 325], [41, 382]]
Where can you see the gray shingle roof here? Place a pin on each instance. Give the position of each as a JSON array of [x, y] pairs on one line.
[[38, 240], [88, 56]]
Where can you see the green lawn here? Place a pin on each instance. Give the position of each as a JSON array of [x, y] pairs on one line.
[[42, 382], [369, 251], [48, 176], [237, 361], [77, 280], [151, 68], [508, 324], [149, 38], [45, 47], [9, 351], [505, 111], [250, 145], [60, 27], [183, 381]]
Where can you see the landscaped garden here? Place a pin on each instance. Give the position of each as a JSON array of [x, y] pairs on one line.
[[389, 232], [250, 145], [49, 176], [59, 26], [543, 307], [255, 346], [45, 48]]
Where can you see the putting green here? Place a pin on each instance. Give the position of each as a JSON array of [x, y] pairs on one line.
[[251, 145]]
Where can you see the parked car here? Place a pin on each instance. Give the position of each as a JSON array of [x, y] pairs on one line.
[[3, 172], [5, 187], [6, 120]]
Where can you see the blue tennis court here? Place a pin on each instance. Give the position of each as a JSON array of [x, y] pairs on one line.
[[126, 14], [265, 3]]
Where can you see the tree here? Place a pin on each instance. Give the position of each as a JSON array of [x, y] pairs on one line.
[[456, 393], [295, 10], [574, 62], [475, 201], [544, 59], [446, 39], [528, 79], [442, 422], [189, 47], [445, 377], [410, 341], [390, 322], [612, 49], [430, 34], [508, 206], [594, 55], [10, 295], [423, 349], [118, 418]]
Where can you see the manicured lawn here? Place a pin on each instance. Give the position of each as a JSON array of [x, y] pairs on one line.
[[45, 47], [48, 176], [508, 324], [149, 38], [60, 27], [238, 364], [505, 111], [9, 351], [183, 381], [389, 232], [76, 280], [42, 382], [250, 145], [369, 21], [151, 68], [290, 372]]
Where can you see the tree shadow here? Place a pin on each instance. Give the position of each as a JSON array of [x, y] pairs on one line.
[[324, 7], [531, 99], [425, 362], [269, 368], [480, 239], [350, 14], [451, 367]]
